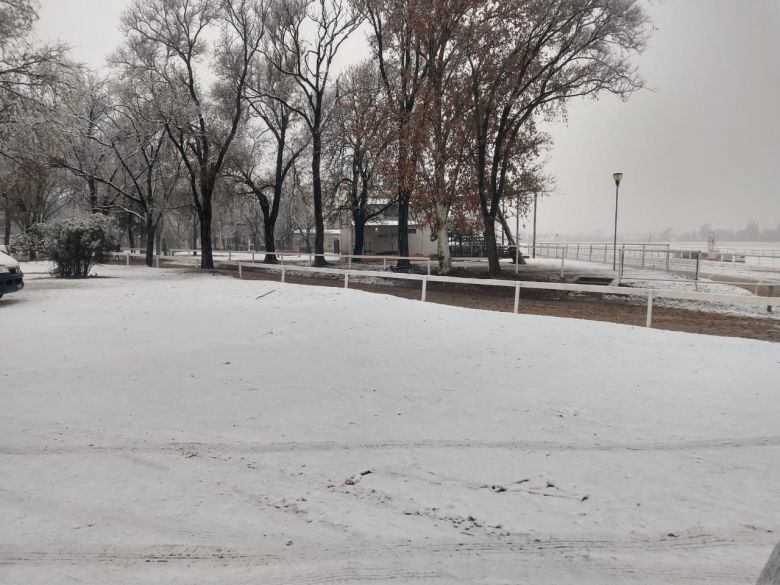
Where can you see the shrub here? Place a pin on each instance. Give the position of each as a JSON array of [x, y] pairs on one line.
[[75, 245], [30, 243]]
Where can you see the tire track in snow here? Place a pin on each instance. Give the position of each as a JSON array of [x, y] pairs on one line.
[[10, 554], [322, 446]]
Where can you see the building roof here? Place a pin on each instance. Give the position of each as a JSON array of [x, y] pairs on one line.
[[386, 222]]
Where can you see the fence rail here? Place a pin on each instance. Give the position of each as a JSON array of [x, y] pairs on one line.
[[656, 256], [649, 293]]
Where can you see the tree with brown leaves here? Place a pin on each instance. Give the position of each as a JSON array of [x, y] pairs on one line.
[[531, 57]]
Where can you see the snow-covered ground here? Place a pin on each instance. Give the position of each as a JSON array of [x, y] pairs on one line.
[[658, 280], [159, 426]]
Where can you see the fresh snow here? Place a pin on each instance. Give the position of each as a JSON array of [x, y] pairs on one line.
[[164, 426], [660, 280]]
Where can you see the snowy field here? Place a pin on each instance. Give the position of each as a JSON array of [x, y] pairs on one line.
[[754, 269], [158, 426], [659, 280]]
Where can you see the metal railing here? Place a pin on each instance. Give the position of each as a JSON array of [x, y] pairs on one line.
[[649, 256]]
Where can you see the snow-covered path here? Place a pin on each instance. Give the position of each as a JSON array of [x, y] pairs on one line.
[[163, 427]]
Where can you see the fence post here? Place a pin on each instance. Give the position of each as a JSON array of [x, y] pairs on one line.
[[667, 259], [517, 296], [127, 263], [643, 255], [281, 256], [649, 322], [698, 258], [253, 255], [563, 259], [578, 252], [590, 253], [349, 262], [424, 287], [346, 279], [157, 261], [384, 263], [240, 274]]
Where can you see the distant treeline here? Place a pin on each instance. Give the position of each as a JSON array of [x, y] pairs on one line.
[[750, 233]]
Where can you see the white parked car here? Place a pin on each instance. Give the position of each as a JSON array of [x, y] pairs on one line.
[[11, 277]]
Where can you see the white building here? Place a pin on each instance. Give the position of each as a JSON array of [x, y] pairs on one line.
[[332, 241], [381, 237]]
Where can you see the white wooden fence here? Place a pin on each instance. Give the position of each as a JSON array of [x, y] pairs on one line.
[[648, 293]]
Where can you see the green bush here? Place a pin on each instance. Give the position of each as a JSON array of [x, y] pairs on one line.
[[75, 245]]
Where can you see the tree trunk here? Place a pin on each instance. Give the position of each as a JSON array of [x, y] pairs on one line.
[[32, 252], [319, 224], [195, 221], [206, 255], [505, 227], [403, 229], [158, 240], [491, 249], [130, 234], [405, 182], [360, 235], [93, 195], [443, 239], [7, 222], [150, 233], [268, 235]]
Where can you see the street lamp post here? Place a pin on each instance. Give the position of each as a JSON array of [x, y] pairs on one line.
[[618, 177]]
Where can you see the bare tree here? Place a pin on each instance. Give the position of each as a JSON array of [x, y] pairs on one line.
[[529, 57], [35, 194], [25, 67], [148, 169], [76, 119], [272, 99], [308, 60], [166, 43], [29, 74]]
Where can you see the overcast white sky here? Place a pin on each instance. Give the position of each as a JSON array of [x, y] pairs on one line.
[[702, 147]]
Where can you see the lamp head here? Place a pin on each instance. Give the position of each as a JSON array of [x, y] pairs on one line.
[[618, 177]]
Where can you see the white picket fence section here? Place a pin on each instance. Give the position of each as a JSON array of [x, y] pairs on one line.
[[649, 293]]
